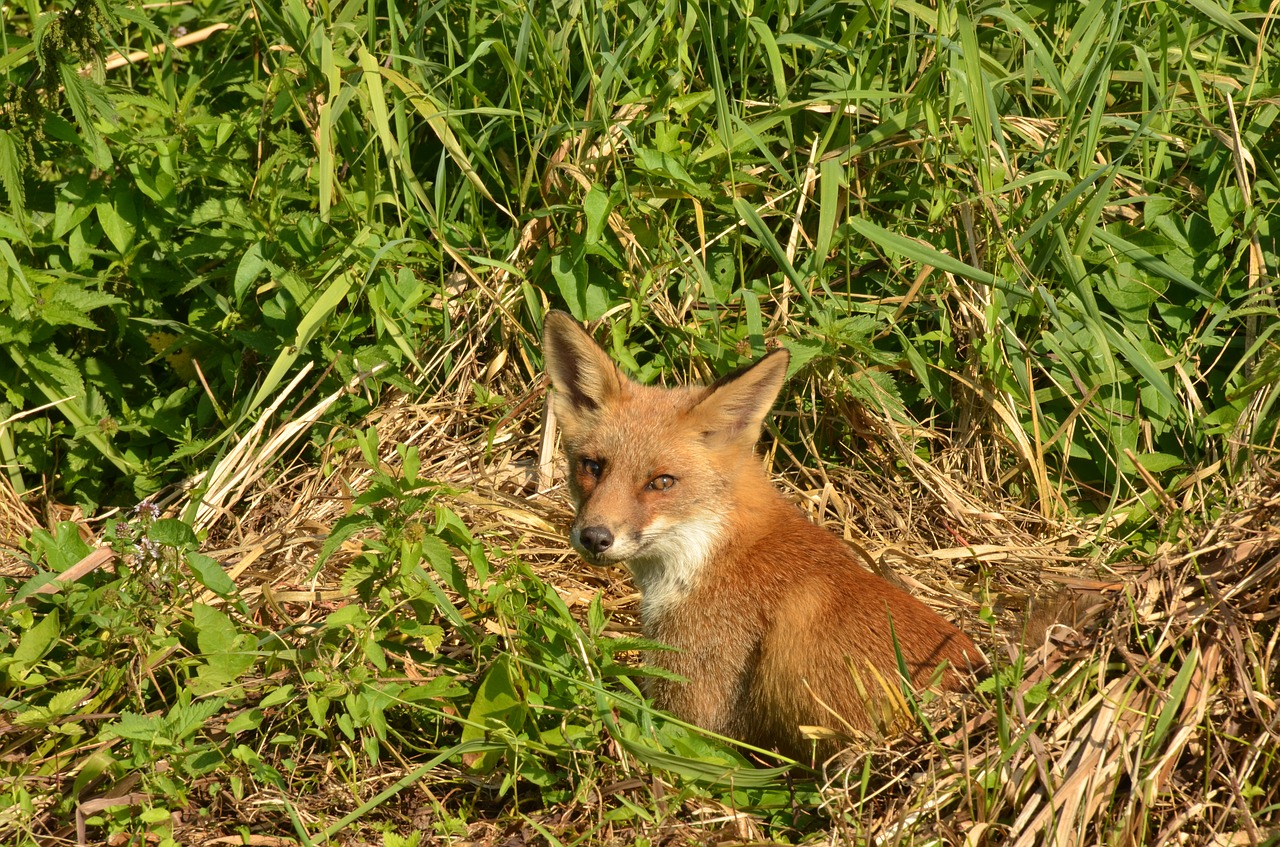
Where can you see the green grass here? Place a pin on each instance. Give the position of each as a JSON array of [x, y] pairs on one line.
[[1033, 245]]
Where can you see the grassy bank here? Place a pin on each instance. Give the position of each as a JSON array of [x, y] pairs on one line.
[[281, 274]]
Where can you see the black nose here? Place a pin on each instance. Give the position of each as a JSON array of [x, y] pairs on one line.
[[596, 539]]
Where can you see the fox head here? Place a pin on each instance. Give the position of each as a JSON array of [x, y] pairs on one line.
[[654, 472]]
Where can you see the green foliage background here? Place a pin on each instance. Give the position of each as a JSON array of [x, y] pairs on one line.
[[1093, 187], [1048, 230]]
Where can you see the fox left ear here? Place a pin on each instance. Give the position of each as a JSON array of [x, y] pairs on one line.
[[583, 375], [735, 406]]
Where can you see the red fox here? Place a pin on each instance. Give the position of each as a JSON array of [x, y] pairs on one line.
[[775, 625]]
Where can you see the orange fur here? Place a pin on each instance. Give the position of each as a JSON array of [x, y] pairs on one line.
[[775, 624]]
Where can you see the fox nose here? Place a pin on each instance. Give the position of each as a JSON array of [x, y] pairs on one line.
[[596, 539]]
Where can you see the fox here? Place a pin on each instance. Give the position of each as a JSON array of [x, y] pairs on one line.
[[775, 629]]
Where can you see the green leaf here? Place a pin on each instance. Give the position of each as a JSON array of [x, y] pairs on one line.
[[64, 548], [595, 617], [70, 305], [437, 553], [765, 35], [68, 701], [11, 169], [919, 252], [586, 301], [1144, 259], [214, 631], [596, 206], [347, 617], [666, 165], [210, 573], [35, 643], [803, 351], [757, 225], [184, 719], [345, 528], [58, 378], [278, 696], [250, 268], [1160, 462], [322, 309], [250, 719], [136, 727], [1215, 12], [832, 180], [119, 218], [498, 703], [1177, 692], [172, 532], [434, 112], [86, 100]]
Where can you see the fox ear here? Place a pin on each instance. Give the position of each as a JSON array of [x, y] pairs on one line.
[[583, 375], [736, 404]]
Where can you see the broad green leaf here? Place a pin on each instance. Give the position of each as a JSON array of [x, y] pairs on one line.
[[1160, 462], [803, 351], [118, 218], [437, 552], [64, 548], [586, 301], [210, 573], [214, 631], [173, 533], [595, 205], [184, 719], [250, 268], [68, 701], [137, 727], [250, 719], [278, 696], [347, 617], [498, 701], [35, 643], [1141, 257]]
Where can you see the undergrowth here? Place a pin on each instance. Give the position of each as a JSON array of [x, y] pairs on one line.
[[1024, 258]]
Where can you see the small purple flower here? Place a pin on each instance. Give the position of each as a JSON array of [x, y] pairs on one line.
[[149, 549]]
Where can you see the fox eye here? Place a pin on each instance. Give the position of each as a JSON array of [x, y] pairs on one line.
[[662, 482], [589, 466]]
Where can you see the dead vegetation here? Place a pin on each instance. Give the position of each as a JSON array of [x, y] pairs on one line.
[[1143, 710]]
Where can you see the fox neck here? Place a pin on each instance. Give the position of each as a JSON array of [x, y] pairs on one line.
[[667, 572]]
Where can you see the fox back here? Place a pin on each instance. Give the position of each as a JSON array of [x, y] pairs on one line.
[[775, 624]]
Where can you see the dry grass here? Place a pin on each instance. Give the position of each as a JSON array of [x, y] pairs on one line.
[[1149, 716]]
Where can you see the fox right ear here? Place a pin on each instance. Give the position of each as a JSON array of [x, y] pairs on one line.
[[734, 409], [583, 375]]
